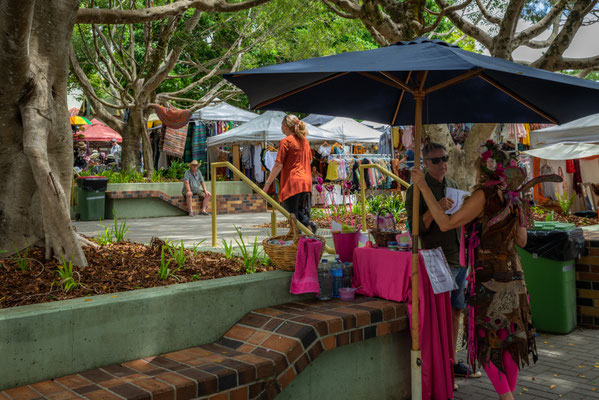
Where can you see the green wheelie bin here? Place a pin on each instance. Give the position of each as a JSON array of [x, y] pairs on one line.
[[91, 198], [548, 262]]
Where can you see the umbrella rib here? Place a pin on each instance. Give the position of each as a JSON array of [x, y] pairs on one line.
[[397, 82], [455, 81], [294, 91], [513, 95], [400, 100]]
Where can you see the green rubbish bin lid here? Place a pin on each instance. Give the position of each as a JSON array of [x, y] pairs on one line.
[[553, 226]]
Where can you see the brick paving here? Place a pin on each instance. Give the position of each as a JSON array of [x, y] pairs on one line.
[[568, 368]]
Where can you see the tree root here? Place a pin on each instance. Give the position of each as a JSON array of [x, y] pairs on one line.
[[86, 242]]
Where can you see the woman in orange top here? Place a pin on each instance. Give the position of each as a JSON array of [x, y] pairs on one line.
[[293, 162]]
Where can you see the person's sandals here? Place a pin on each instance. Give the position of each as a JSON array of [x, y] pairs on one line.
[[191, 214], [463, 370], [204, 212]]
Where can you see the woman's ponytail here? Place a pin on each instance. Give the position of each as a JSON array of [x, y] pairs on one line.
[[296, 126]]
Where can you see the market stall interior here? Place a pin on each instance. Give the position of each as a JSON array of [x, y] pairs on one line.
[[416, 82]]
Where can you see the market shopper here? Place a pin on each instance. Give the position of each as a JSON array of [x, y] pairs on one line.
[[193, 184], [293, 163], [435, 160], [116, 151], [501, 336]]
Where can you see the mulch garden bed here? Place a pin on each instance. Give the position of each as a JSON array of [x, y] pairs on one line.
[[112, 268]]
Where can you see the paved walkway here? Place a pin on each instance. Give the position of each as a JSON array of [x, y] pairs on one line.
[[568, 368], [189, 229]]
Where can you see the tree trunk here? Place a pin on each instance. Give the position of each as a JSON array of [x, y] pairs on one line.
[[461, 160], [36, 149], [130, 155]]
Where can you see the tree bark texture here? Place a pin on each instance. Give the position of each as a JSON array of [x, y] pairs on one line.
[[36, 149]]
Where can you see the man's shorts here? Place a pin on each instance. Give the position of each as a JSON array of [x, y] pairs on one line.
[[200, 193], [458, 296]]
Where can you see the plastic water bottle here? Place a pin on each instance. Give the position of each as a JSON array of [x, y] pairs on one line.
[[348, 273], [324, 281], [337, 276]]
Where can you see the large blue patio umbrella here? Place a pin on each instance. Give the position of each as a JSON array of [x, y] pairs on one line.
[[415, 82]]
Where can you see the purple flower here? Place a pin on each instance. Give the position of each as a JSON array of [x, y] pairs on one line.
[[329, 187], [348, 184], [486, 155], [318, 188], [319, 180]]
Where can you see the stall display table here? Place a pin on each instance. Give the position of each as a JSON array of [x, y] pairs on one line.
[[388, 275]]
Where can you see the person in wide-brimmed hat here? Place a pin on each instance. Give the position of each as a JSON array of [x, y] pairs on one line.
[[193, 184]]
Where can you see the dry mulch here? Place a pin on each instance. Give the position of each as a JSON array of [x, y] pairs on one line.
[[112, 268], [578, 221], [324, 223]]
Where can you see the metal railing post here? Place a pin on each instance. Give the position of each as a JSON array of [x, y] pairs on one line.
[[256, 189], [273, 223], [213, 202]]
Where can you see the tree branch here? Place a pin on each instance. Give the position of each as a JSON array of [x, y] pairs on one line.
[[541, 26], [442, 14], [466, 26], [108, 16], [485, 13]]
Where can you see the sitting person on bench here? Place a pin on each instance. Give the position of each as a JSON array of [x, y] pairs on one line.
[[193, 184]]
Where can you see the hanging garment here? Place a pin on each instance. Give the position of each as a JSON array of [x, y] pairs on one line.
[[577, 178], [187, 158], [257, 164], [269, 159], [174, 141], [407, 138], [172, 117], [526, 139], [332, 174], [548, 188], [199, 150], [341, 172], [570, 166], [395, 137], [385, 146], [324, 151]]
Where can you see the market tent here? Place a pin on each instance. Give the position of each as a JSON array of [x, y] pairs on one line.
[[565, 151], [317, 119], [266, 127], [99, 132], [582, 130], [376, 125], [224, 112], [347, 130]]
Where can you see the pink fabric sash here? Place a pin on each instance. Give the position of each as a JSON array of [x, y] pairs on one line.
[[305, 277]]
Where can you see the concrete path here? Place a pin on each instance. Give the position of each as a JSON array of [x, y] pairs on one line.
[[191, 230], [568, 368]]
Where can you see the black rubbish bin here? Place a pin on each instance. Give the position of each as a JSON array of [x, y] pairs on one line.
[[91, 197]]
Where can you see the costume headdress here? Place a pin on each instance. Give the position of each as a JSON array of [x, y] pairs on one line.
[[502, 170]]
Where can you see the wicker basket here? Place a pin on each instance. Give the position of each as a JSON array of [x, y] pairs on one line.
[[284, 257], [382, 237]]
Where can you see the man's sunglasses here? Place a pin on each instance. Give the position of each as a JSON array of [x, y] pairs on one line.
[[437, 160]]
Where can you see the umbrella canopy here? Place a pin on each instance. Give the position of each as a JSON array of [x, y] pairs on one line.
[[77, 120], [100, 132], [266, 127], [317, 119], [583, 130], [224, 112], [457, 85], [347, 130], [73, 111], [153, 121]]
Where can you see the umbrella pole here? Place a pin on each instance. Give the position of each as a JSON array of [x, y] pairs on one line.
[[416, 362]]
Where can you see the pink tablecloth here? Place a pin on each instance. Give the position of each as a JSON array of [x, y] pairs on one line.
[[387, 274]]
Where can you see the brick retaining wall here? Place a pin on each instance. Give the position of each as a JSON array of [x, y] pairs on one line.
[[587, 283], [226, 203]]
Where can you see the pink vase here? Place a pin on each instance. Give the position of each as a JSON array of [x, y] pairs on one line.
[[345, 243]]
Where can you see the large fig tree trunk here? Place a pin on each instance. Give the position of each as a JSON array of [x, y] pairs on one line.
[[36, 150]]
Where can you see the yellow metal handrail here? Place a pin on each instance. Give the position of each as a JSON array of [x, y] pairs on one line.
[[383, 171], [255, 188]]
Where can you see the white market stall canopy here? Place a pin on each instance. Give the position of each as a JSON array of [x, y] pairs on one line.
[[318, 119], [565, 151], [347, 130], [375, 125], [583, 130], [224, 112], [266, 127]]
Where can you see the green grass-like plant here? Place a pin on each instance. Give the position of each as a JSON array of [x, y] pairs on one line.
[[196, 247], [178, 254], [228, 246], [65, 272], [165, 272], [249, 255], [107, 237], [119, 231], [22, 260]]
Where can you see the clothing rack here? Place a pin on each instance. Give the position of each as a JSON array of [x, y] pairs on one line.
[[375, 156]]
